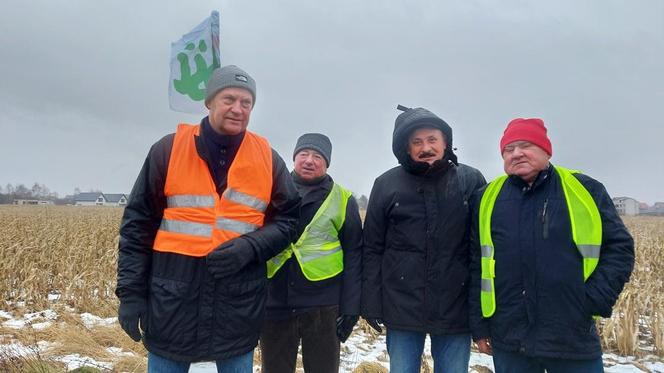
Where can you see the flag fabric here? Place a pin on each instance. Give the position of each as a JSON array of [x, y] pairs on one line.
[[193, 58]]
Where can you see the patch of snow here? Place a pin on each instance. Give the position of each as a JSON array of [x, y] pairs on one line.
[[6, 315], [75, 361], [657, 367], [16, 349], [42, 325], [90, 320], [44, 345], [484, 360], [30, 318], [622, 368], [617, 359], [46, 314], [116, 351], [357, 349], [14, 323], [206, 367]]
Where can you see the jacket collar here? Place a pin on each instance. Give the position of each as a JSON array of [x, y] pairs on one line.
[[542, 178], [438, 168], [229, 141]]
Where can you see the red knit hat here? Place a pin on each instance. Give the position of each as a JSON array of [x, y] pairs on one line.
[[529, 129]]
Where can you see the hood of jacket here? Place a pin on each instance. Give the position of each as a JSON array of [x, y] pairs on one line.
[[405, 124]]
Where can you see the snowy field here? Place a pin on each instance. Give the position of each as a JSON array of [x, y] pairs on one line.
[[361, 347]]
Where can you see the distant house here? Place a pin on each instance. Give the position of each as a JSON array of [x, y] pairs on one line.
[[32, 202], [89, 199], [644, 208], [100, 199], [658, 208], [626, 206], [115, 200]]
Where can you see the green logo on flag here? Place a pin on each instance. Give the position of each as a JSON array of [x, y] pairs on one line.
[[193, 84]]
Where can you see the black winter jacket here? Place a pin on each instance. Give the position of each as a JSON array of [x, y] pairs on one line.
[[416, 253], [192, 317], [290, 293], [543, 306]]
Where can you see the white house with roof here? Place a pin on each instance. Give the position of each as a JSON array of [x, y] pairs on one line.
[[100, 199], [89, 199], [115, 199], [626, 206]]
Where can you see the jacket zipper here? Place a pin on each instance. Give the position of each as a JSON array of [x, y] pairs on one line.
[[545, 221]]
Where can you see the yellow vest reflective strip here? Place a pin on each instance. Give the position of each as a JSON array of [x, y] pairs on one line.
[[318, 250], [245, 199], [305, 257], [236, 226], [585, 222], [186, 200], [186, 227], [486, 284]]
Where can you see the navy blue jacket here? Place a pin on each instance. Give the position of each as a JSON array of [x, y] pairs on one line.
[[543, 306]]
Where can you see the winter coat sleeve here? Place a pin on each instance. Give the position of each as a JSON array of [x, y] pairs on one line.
[[479, 326], [616, 259], [375, 228], [140, 222], [350, 236], [281, 215]]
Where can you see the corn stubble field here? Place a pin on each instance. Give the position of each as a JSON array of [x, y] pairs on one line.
[[70, 253]]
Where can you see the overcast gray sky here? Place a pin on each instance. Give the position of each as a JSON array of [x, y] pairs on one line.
[[84, 86]]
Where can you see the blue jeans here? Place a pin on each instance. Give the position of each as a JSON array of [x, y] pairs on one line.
[[507, 361], [237, 364], [450, 353]]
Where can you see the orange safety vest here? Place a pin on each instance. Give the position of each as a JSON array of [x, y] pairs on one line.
[[196, 219]]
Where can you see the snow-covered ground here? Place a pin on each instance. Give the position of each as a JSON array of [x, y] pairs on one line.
[[359, 348]]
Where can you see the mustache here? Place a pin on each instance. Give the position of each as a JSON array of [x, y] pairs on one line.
[[426, 154]]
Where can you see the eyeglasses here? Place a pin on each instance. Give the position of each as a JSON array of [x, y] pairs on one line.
[[510, 148]]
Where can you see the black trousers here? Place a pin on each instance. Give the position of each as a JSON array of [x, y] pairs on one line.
[[320, 345]]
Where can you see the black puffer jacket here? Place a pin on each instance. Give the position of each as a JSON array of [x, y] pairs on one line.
[[543, 306], [192, 317], [416, 242]]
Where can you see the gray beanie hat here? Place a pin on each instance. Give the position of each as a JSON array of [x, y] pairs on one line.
[[317, 142], [229, 76]]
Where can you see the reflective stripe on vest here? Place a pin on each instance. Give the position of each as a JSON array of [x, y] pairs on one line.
[[196, 220], [318, 250], [585, 222]]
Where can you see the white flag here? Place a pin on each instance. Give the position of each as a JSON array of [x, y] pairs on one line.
[[193, 58]]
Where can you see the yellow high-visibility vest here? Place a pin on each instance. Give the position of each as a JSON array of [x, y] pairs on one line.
[[318, 250], [585, 221]]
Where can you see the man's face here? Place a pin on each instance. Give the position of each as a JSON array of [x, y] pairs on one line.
[[230, 110], [309, 164], [525, 160], [426, 145]]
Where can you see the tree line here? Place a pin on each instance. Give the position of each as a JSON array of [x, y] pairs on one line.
[[10, 193]]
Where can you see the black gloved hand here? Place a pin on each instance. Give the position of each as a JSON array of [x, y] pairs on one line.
[[131, 316], [375, 323], [345, 324], [230, 257]]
